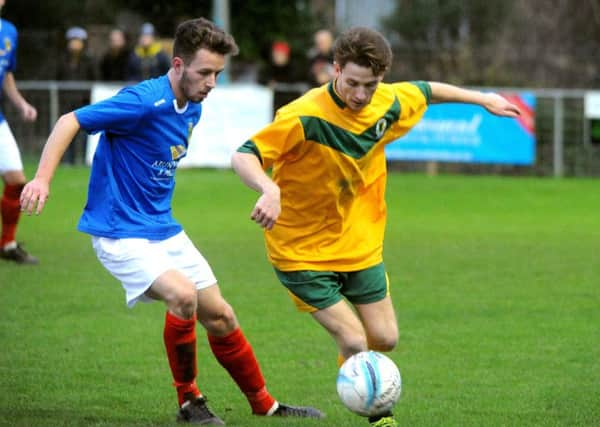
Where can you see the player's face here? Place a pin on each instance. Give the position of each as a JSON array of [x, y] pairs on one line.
[[199, 77], [356, 85]]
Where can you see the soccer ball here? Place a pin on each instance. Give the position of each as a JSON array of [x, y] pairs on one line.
[[369, 383]]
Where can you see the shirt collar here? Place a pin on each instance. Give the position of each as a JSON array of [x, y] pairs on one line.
[[336, 98]]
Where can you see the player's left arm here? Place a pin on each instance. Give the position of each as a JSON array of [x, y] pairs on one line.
[[494, 103], [9, 86]]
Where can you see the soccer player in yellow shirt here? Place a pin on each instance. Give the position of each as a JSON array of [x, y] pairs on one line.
[[323, 208]]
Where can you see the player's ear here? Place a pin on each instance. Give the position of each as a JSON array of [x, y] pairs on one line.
[[177, 64], [337, 69]]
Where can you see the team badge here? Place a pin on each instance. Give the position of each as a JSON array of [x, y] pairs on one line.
[[380, 127], [7, 46], [177, 151]]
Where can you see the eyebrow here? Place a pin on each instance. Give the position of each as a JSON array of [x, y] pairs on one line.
[[351, 80], [209, 70]]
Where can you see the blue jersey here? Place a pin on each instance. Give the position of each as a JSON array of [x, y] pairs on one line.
[[8, 51], [144, 135]]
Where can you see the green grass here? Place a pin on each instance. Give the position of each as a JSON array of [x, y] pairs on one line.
[[495, 280]]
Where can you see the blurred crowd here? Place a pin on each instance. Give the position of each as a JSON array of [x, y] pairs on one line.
[[120, 61], [289, 73], [147, 58]]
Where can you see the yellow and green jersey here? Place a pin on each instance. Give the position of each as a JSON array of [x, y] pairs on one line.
[[330, 165]]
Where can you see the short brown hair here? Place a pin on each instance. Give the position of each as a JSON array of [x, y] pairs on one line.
[[364, 47], [199, 33]]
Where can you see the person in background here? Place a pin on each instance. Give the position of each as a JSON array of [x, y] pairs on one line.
[[279, 72], [76, 65], [148, 59], [323, 207], [320, 58], [113, 65], [145, 131], [11, 166]]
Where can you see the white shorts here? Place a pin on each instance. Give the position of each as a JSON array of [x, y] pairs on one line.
[[137, 263], [10, 158]]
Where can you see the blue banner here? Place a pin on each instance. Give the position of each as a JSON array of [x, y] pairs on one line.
[[468, 133]]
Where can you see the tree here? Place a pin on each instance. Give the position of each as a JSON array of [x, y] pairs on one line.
[[537, 43], [438, 37], [257, 23]]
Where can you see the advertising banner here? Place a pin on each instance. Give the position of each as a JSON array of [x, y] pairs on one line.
[[468, 133]]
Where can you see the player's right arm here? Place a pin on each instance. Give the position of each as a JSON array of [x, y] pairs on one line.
[[272, 143], [36, 192], [268, 207]]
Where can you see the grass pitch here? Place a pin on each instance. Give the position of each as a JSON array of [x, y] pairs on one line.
[[496, 284]]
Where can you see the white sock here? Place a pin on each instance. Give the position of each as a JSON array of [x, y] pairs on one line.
[[9, 246], [273, 409]]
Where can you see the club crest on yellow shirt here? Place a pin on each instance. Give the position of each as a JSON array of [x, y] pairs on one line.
[[380, 127]]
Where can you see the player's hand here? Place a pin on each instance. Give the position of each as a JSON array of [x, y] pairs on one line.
[[267, 208], [500, 106], [28, 112], [34, 196]]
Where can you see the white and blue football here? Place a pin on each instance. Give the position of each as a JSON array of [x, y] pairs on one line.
[[369, 383]]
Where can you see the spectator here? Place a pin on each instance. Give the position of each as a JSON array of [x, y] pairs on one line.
[[320, 58], [278, 72], [113, 66], [75, 65], [148, 59]]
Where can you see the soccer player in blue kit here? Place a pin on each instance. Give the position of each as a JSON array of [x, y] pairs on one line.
[[11, 166], [145, 133]]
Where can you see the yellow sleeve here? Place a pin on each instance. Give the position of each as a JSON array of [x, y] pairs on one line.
[[275, 141], [414, 99]]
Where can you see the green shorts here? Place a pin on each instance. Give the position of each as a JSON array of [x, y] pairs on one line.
[[316, 290]]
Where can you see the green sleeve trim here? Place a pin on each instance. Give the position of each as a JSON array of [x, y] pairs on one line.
[[425, 89], [250, 148]]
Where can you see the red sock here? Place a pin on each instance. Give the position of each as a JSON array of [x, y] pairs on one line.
[[180, 341], [235, 354], [11, 210]]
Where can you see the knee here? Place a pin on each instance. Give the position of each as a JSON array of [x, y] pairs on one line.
[[220, 320], [183, 303], [352, 345], [386, 342], [387, 345], [15, 179]]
